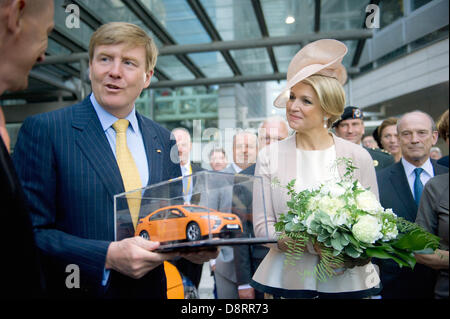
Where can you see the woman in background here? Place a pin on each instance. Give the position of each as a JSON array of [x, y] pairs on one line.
[[387, 132]]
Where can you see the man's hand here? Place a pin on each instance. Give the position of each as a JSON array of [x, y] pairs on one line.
[[248, 293], [134, 257], [201, 256]]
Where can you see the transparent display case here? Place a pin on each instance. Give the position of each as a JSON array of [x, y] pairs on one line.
[[206, 209]]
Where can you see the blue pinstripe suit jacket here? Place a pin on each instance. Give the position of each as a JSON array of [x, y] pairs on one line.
[[70, 175]]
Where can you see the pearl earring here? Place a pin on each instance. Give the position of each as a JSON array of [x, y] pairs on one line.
[[325, 122]]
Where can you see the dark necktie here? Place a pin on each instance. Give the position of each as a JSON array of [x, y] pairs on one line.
[[418, 186]]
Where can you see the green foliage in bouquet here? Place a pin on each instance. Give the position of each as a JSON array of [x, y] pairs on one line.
[[350, 225]]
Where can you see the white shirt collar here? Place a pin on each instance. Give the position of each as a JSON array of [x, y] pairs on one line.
[[186, 168], [409, 168], [236, 168]]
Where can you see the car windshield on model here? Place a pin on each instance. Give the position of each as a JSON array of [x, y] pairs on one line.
[[196, 209]]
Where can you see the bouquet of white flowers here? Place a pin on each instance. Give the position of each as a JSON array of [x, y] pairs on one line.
[[349, 224]]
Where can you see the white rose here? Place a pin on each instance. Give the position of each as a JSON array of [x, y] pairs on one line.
[[367, 229], [367, 201], [334, 207], [331, 205]]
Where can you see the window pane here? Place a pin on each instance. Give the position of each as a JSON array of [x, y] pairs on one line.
[[179, 20], [233, 19], [342, 14], [252, 61], [276, 12]]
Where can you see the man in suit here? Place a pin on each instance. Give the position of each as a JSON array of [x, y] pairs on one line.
[[351, 128], [74, 160], [24, 29], [245, 150], [400, 186], [248, 257], [184, 144]]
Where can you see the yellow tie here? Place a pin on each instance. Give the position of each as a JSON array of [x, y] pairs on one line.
[[128, 169]]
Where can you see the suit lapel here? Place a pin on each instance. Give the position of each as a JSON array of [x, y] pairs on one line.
[[92, 141], [438, 169], [400, 184], [153, 150]]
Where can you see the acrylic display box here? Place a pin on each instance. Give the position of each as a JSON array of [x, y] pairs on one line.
[[202, 210]]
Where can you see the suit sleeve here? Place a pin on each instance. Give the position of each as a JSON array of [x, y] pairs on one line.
[[426, 215], [262, 192], [36, 166]]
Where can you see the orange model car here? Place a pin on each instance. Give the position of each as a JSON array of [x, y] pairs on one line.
[[187, 222]]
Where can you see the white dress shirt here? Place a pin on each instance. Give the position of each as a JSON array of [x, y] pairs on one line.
[[135, 141]]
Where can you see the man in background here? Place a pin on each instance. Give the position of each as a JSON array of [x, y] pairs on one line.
[[400, 187], [24, 29], [435, 153], [351, 128], [368, 141]]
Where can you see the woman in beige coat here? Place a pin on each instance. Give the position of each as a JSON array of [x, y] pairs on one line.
[[314, 98]]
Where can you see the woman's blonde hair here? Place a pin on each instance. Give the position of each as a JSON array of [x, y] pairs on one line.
[[331, 95], [130, 34]]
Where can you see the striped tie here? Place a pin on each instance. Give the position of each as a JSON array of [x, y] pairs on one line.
[[128, 169]]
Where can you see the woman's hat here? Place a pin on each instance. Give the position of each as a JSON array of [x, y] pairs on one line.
[[322, 57]]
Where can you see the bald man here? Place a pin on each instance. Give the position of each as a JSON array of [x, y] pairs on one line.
[[24, 29], [400, 186]]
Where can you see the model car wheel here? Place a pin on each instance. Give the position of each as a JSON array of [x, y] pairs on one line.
[[193, 232], [144, 234]]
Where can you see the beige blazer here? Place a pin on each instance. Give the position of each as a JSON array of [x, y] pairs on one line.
[[278, 161]]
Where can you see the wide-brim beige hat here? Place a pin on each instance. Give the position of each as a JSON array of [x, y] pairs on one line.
[[322, 57]]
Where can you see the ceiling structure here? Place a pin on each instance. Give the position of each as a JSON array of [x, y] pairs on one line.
[[200, 42]]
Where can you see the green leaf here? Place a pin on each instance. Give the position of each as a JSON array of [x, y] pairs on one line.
[[352, 252], [416, 240], [336, 243], [382, 254], [406, 256]]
